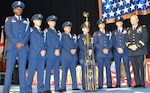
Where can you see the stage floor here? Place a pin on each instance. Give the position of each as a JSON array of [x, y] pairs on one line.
[[123, 89]]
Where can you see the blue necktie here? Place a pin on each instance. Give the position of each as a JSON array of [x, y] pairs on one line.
[[119, 31], [70, 35], [44, 37]]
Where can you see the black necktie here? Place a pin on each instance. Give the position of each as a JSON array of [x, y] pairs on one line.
[[19, 18], [134, 28]]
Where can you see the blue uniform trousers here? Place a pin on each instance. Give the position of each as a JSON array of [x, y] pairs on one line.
[[127, 68], [83, 73], [52, 64], [36, 64], [66, 64], [101, 62], [11, 60]]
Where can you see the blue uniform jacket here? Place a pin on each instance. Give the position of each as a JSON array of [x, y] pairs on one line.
[[102, 41], [53, 42], [119, 40], [68, 43], [81, 46], [36, 42], [16, 31]]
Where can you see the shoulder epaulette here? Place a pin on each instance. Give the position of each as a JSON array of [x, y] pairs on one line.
[[94, 34], [128, 28]]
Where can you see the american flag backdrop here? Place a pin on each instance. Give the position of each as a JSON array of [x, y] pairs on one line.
[[110, 9]]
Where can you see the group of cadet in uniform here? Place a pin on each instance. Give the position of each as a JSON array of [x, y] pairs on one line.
[[51, 47]]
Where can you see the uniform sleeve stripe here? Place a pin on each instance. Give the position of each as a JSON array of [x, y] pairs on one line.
[[128, 43], [142, 43]]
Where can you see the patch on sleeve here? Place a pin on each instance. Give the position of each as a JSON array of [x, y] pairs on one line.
[[78, 36], [31, 29]]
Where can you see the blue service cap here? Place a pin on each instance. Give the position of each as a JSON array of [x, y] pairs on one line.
[[37, 16], [18, 4], [51, 18], [101, 21], [67, 23], [118, 19], [83, 25]]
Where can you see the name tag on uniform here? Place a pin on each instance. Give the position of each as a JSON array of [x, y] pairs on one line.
[[13, 21]]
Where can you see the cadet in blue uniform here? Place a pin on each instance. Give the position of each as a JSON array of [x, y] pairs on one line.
[[68, 55], [17, 31], [81, 41], [53, 53], [137, 43], [121, 51], [37, 54], [103, 52]]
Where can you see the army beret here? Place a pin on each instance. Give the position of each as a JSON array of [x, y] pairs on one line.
[[18, 4], [67, 23], [101, 21], [51, 18], [118, 19], [37, 16]]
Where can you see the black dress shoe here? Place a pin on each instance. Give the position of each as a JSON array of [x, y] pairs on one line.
[[99, 87], [118, 86], [137, 86], [63, 90], [59, 90], [143, 86], [48, 91], [129, 86], [76, 89], [110, 87]]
